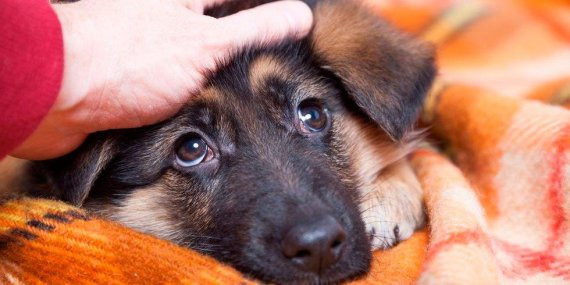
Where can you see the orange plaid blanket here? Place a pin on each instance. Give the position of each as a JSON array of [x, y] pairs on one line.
[[497, 187]]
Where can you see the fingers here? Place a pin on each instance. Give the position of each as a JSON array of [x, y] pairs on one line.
[[267, 23]]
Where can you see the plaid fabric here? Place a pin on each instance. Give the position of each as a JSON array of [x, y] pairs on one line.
[[497, 188], [498, 191]]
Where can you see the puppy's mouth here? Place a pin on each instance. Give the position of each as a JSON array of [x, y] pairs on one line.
[[317, 250]]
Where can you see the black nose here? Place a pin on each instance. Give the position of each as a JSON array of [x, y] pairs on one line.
[[314, 246]]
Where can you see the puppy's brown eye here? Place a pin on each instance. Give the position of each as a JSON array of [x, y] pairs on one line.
[[192, 150], [313, 116]]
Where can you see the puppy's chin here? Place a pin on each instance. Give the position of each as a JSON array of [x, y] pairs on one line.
[[354, 263]]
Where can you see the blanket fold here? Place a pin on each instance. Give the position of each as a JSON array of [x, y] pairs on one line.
[[500, 214]]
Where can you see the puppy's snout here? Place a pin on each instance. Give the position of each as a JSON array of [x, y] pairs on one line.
[[314, 246]]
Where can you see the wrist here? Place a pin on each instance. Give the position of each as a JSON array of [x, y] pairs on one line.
[[75, 83], [51, 139], [62, 129]]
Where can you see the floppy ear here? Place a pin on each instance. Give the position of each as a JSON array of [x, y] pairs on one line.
[[386, 73], [72, 177]]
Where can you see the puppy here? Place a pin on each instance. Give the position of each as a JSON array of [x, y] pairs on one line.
[[289, 165]]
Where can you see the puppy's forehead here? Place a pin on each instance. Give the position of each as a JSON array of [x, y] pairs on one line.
[[298, 76], [265, 67], [272, 78]]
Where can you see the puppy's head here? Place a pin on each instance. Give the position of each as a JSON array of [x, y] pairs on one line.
[[258, 170]]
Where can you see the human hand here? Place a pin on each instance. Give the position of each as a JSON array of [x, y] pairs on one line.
[[130, 63]]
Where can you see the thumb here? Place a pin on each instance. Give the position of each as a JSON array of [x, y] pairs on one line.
[[268, 23]]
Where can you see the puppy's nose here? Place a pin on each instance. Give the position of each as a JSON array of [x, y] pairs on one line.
[[314, 246]]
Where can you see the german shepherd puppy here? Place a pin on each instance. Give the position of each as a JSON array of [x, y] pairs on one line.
[[289, 165]]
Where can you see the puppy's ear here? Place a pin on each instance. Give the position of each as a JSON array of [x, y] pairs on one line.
[[72, 177], [386, 73]]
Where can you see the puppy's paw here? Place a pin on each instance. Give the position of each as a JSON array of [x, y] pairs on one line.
[[392, 220], [393, 210], [388, 235]]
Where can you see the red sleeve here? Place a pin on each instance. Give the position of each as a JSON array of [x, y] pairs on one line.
[[31, 67]]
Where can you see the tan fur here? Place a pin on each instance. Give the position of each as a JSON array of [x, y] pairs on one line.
[[393, 200], [349, 50], [261, 68], [372, 149], [143, 210], [147, 209], [384, 70], [391, 193], [210, 94], [267, 66]]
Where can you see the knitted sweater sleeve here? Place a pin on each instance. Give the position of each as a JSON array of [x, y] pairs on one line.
[[31, 67]]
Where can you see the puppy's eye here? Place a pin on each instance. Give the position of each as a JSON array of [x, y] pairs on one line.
[[312, 115], [193, 150]]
